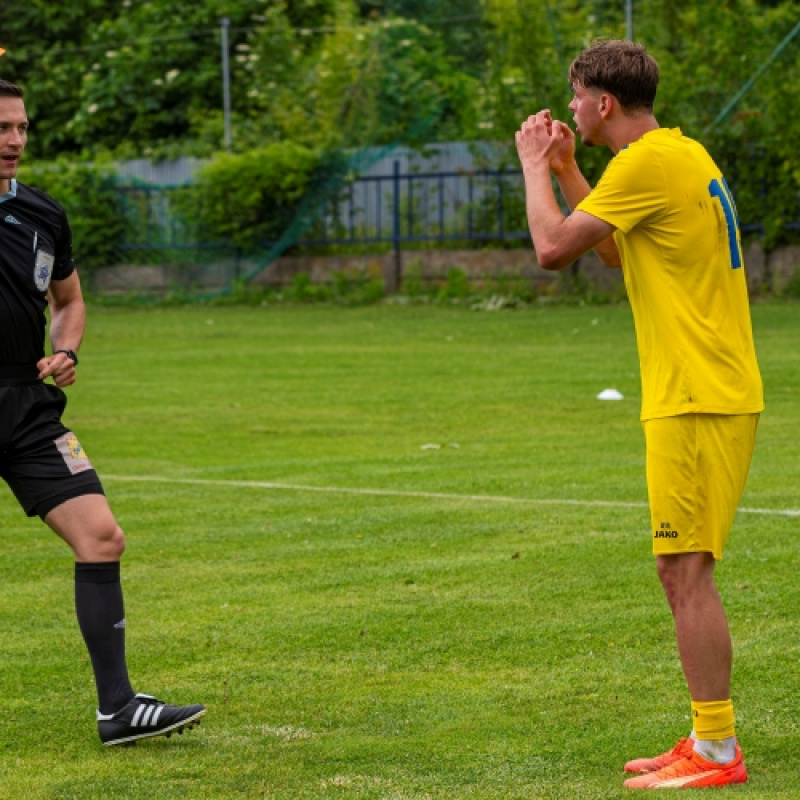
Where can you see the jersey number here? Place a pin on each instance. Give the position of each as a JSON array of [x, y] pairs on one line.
[[722, 192]]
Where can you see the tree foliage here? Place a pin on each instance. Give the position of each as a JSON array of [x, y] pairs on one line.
[[130, 78], [143, 80], [708, 52]]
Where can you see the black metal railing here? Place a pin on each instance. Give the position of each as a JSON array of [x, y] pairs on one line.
[[399, 209]]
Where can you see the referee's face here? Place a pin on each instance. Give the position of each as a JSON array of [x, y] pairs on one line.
[[13, 135]]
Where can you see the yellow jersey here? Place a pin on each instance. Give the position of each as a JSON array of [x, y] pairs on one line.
[[678, 237]]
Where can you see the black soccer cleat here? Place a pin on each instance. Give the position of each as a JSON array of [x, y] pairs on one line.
[[143, 717]]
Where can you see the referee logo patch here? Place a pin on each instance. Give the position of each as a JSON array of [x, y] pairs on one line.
[[44, 270], [73, 454]]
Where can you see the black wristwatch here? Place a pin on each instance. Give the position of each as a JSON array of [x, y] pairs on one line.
[[70, 354]]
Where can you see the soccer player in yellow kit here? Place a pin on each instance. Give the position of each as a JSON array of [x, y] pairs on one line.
[[663, 212]]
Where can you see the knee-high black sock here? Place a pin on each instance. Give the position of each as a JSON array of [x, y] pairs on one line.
[[101, 617]]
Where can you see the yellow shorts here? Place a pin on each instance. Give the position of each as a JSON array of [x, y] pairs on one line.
[[697, 466]]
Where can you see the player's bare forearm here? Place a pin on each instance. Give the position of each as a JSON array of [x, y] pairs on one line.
[[544, 216], [574, 188], [608, 253], [558, 240]]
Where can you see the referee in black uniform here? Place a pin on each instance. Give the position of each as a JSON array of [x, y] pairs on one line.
[[40, 459]]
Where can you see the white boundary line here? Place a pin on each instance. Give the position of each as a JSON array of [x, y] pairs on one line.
[[483, 498]]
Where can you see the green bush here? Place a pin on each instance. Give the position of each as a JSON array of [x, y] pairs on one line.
[[792, 288], [456, 286], [93, 206], [250, 198]]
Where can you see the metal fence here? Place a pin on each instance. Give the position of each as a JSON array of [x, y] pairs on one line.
[[469, 206], [399, 210]]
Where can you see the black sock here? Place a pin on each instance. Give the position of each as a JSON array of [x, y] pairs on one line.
[[101, 617]]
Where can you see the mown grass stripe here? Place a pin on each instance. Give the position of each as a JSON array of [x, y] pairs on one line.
[[482, 498]]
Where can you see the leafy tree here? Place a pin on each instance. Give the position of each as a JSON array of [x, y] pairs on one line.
[[752, 142], [365, 83], [460, 23], [47, 49], [708, 50], [145, 79]]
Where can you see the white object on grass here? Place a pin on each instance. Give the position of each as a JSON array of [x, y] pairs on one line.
[[609, 394]]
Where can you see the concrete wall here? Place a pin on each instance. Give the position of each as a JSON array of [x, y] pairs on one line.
[[427, 266], [765, 273]]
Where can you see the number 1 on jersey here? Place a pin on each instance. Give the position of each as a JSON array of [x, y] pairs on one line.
[[722, 192]]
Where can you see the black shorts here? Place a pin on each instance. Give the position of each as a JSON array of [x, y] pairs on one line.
[[40, 459]]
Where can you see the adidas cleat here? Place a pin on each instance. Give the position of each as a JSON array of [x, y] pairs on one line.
[[144, 717]]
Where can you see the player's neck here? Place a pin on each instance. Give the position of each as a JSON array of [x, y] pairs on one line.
[[5, 186], [630, 130]]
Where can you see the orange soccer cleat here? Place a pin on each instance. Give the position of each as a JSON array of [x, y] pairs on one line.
[[681, 750], [692, 772]]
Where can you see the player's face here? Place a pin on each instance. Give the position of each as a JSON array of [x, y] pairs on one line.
[[13, 135], [585, 108]]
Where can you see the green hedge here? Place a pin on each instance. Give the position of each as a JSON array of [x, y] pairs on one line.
[[249, 198], [93, 206]]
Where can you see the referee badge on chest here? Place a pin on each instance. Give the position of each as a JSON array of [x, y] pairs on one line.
[[43, 270]]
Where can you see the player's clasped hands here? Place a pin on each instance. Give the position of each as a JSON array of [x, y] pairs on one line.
[[541, 139]]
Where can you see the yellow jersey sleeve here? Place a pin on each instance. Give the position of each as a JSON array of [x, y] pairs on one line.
[[630, 192]]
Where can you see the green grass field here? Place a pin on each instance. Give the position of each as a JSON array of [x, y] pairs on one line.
[[399, 553]]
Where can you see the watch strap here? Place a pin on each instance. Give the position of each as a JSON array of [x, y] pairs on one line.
[[71, 354]]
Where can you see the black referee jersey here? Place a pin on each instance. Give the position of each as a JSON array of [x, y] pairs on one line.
[[35, 248]]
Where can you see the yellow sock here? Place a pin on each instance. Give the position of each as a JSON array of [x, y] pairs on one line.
[[713, 719]]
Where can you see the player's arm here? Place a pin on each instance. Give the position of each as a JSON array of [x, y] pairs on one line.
[[67, 325], [574, 187], [559, 240]]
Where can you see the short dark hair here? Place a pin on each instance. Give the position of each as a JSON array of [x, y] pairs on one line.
[[621, 68], [8, 89]]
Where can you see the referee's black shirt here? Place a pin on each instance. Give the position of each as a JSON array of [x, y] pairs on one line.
[[35, 248]]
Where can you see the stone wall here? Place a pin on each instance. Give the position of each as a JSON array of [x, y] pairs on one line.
[[765, 273], [427, 266]]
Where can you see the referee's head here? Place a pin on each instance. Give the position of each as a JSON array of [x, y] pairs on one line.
[[8, 89], [13, 132]]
